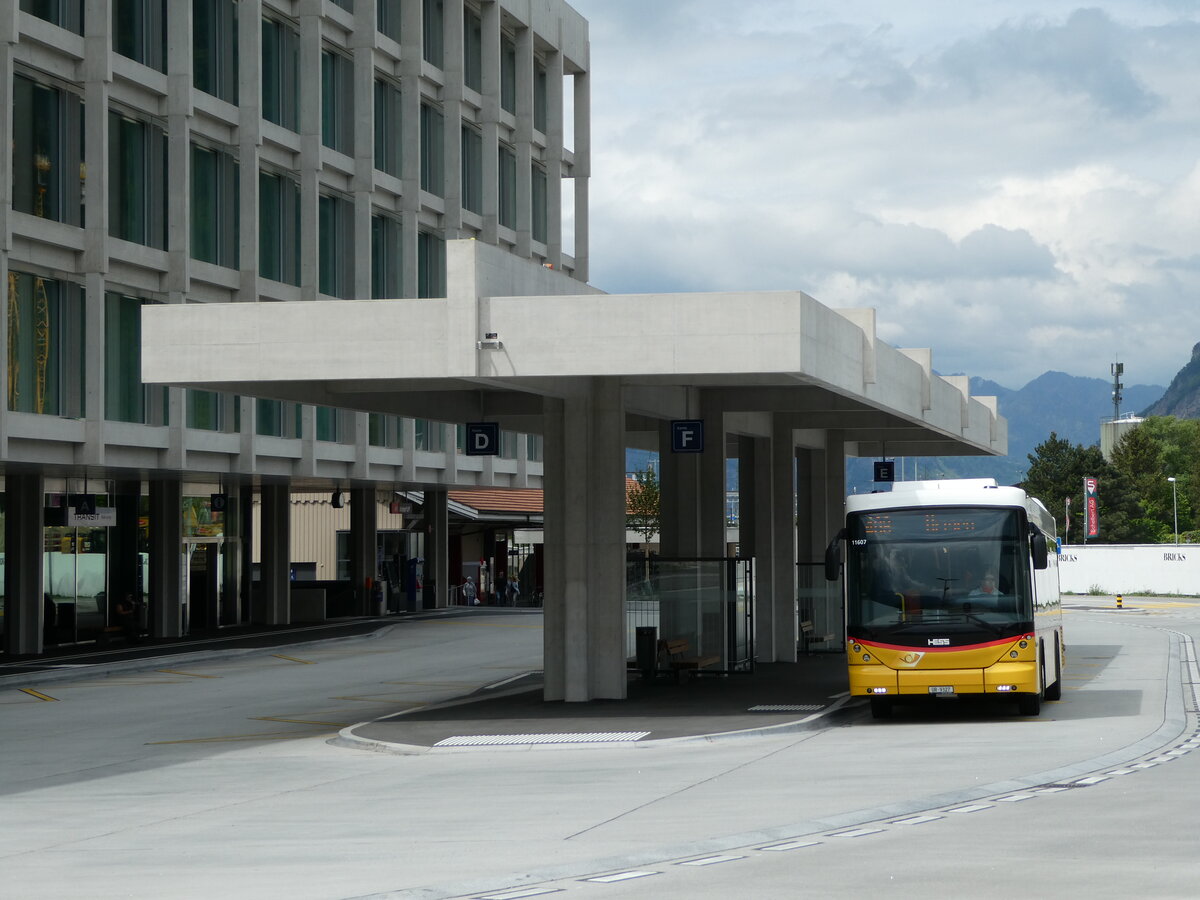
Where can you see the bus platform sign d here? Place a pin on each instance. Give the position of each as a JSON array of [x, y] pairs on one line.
[[483, 439], [687, 435]]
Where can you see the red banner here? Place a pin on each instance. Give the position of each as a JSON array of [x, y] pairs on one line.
[[1092, 499]]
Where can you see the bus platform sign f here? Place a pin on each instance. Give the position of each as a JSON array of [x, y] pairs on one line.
[[687, 435]]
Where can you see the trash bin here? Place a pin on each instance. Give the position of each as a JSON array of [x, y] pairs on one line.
[[647, 650]]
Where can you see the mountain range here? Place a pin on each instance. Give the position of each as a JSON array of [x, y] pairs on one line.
[[1070, 405]]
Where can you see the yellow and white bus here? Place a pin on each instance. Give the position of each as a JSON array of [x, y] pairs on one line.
[[951, 589]]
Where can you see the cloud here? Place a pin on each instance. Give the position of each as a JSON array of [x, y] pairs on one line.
[[987, 179]]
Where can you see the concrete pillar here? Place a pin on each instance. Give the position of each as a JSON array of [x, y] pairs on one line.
[[710, 512], [756, 534], [166, 558], [437, 546], [24, 612], [584, 655], [783, 538], [273, 603], [679, 487], [124, 563], [362, 546], [829, 495]]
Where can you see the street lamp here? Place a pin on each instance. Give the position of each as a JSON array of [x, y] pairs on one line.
[[1175, 506]]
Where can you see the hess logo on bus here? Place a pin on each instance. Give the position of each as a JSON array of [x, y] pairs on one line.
[[939, 642]]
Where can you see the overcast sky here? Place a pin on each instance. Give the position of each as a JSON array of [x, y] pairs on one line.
[[1015, 185]]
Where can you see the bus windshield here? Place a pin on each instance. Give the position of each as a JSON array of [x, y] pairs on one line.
[[959, 573]]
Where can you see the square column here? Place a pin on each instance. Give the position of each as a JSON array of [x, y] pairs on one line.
[[362, 546], [272, 605], [24, 609], [782, 523], [166, 558], [584, 645], [437, 546]]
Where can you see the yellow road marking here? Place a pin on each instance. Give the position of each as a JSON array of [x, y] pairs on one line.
[[32, 693], [298, 721], [383, 700], [264, 736], [188, 674], [307, 662]]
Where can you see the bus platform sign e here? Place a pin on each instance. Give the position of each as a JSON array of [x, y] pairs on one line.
[[687, 435]]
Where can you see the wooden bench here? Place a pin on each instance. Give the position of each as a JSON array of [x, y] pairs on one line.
[[678, 654], [807, 639]]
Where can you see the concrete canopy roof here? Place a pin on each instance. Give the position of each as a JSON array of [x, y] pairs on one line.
[[747, 355]]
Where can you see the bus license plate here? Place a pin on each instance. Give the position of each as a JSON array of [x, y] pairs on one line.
[[941, 689]]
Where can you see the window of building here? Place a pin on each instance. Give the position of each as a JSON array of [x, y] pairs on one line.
[[533, 447], [433, 31], [280, 74], [137, 181], [268, 417], [63, 13], [538, 203], [508, 187], [431, 265], [388, 133], [508, 74], [139, 31], [347, 5], [472, 50], [126, 398], [336, 250], [45, 346], [432, 152], [278, 228], [337, 102], [541, 99], [472, 169], [329, 423], [384, 430], [204, 410], [430, 436], [387, 18], [386, 250], [214, 207], [47, 152], [508, 445], [274, 418], [215, 48]]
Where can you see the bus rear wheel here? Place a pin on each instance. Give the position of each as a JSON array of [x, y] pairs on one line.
[[881, 707]]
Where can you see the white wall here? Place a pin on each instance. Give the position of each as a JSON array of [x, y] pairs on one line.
[[1131, 568]]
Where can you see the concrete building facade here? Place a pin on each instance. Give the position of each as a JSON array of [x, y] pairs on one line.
[[247, 151]]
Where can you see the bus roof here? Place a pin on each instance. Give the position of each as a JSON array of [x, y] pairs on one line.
[[953, 492]]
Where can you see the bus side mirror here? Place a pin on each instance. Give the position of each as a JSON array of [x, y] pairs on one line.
[[1037, 544], [833, 557]]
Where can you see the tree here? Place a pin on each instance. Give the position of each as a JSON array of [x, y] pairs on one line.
[[1057, 469], [643, 504]]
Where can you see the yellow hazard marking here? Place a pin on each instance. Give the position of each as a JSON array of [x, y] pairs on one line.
[[264, 736], [384, 700], [307, 662], [32, 693], [188, 674], [299, 721]]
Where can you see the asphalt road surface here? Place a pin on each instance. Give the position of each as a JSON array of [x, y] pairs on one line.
[[220, 777]]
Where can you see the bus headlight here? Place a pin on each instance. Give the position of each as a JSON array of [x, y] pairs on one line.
[[866, 657], [1023, 644], [858, 648], [1013, 653]]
